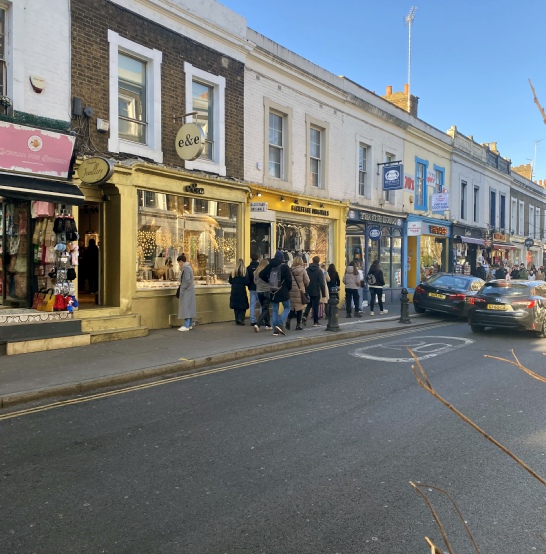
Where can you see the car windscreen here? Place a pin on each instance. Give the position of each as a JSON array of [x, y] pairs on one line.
[[506, 290], [450, 281]]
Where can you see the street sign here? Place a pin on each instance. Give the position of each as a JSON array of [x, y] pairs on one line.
[[258, 207], [393, 176]]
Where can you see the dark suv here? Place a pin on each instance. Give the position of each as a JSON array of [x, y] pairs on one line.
[[518, 304]]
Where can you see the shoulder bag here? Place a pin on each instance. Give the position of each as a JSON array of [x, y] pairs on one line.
[[305, 299]]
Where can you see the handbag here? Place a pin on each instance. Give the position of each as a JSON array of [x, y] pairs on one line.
[[305, 298], [47, 303], [38, 298]]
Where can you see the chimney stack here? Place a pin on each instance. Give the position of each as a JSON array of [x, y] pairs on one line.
[[389, 90], [406, 89]]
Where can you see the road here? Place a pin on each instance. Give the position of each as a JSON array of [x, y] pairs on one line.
[[300, 452]]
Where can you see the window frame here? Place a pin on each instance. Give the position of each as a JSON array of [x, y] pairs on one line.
[[476, 204], [439, 175], [324, 128], [521, 218], [424, 190], [502, 211], [153, 59], [366, 191], [531, 220], [493, 207], [464, 188], [218, 84], [513, 215], [286, 113], [389, 195]]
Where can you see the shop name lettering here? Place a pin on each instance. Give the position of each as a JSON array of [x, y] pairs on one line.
[[31, 156], [312, 211], [194, 189], [93, 170], [378, 218], [190, 141]]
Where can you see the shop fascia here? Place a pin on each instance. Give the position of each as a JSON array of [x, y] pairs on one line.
[[376, 218], [417, 226]]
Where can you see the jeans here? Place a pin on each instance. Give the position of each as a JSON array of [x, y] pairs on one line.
[[375, 292], [352, 296], [187, 322], [253, 301], [280, 319], [265, 302]]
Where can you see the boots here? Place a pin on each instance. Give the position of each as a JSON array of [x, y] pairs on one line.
[[287, 324]]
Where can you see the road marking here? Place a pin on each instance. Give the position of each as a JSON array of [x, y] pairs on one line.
[[429, 346], [198, 373]]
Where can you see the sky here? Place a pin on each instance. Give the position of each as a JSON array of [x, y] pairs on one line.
[[471, 60]]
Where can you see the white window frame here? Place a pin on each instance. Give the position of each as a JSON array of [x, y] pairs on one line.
[[476, 203], [367, 184], [521, 218], [218, 83], [389, 195], [324, 128], [513, 215], [537, 234], [287, 114], [531, 222], [153, 58]]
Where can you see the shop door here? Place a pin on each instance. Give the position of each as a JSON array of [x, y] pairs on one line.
[[89, 274], [260, 239], [15, 247]]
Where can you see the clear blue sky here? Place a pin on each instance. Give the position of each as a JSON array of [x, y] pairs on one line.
[[470, 59]]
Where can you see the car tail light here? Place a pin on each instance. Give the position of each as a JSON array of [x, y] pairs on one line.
[[420, 290], [524, 303], [474, 300], [458, 296]]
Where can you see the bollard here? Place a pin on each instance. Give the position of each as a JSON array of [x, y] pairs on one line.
[[404, 307], [333, 324]]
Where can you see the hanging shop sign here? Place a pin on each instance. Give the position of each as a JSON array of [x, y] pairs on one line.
[[374, 232], [28, 150], [438, 230], [414, 228], [529, 243], [501, 237], [392, 176], [95, 170], [190, 141], [194, 189], [259, 206], [440, 202]]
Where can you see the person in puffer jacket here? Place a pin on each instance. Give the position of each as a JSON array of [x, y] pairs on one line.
[[351, 280], [376, 281]]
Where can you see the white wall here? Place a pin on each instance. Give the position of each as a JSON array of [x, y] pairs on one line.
[[41, 47]]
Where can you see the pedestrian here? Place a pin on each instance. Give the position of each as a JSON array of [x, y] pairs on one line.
[[352, 282], [300, 280], [323, 302], [187, 309], [523, 274], [376, 281], [262, 288], [480, 272], [500, 273], [362, 294], [334, 281], [278, 275], [252, 287], [532, 273], [514, 274], [540, 276], [238, 300], [315, 289]]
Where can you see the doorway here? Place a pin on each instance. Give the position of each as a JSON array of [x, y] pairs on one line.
[[89, 224]]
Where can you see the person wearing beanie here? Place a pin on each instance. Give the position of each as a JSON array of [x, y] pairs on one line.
[[280, 295]]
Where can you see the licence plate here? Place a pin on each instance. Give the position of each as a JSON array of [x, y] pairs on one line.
[[500, 307], [434, 295]]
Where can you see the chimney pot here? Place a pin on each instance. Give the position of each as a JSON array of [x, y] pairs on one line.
[[389, 90], [406, 88]]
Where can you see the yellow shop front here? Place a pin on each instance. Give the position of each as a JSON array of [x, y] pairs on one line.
[[297, 225], [151, 216]]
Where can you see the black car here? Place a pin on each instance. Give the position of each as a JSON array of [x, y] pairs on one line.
[[517, 304], [446, 292]]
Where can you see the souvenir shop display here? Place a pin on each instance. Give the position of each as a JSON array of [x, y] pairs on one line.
[[56, 252]]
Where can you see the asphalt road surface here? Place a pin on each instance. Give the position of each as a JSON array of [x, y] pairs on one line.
[[300, 452]]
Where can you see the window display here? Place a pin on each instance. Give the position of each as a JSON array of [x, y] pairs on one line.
[[303, 239], [169, 225]]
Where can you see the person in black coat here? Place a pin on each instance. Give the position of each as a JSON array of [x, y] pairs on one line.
[[252, 287], [238, 300], [281, 296], [315, 289]]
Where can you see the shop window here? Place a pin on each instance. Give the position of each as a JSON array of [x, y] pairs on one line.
[[207, 98], [3, 51], [135, 98], [302, 238], [396, 263], [169, 225]]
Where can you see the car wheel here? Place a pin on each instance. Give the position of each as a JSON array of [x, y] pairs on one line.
[[476, 328], [419, 310]]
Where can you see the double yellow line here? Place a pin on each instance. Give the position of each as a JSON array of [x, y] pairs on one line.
[[168, 380]]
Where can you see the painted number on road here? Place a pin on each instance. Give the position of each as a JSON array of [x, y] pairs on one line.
[[423, 347]]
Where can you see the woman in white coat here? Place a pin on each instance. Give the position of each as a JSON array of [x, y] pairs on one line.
[[186, 302]]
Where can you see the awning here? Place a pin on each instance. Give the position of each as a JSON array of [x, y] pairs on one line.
[[472, 240], [34, 188], [503, 246]]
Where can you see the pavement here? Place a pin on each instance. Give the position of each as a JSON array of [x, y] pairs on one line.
[[30, 377]]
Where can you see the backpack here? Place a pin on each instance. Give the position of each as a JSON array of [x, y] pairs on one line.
[[371, 279], [275, 279]]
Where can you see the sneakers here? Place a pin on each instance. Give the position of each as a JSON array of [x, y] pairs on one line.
[[382, 312], [316, 325], [299, 328], [371, 313], [279, 330], [268, 328], [256, 328], [185, 328]]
